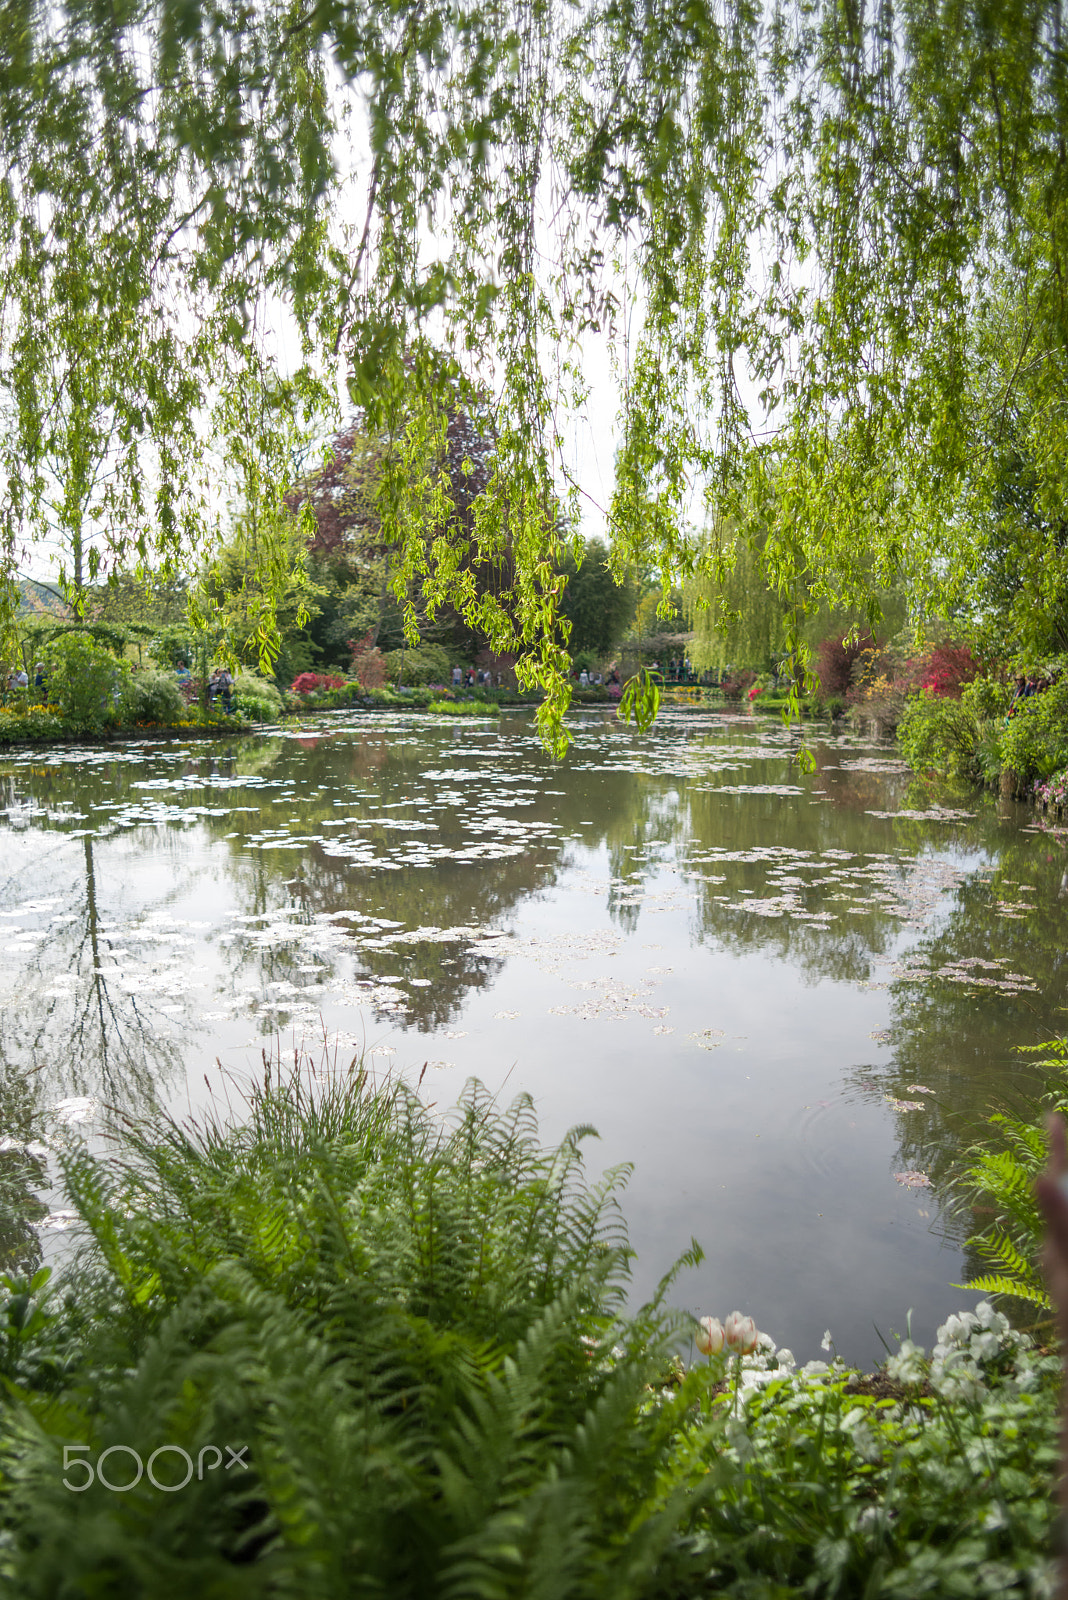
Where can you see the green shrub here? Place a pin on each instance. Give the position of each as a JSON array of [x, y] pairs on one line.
[[405, 1322], [152, 697], [1033, 742], [938, 733], [257, 698], [986, 698], [86, 683], [28, 722], [429, 663]]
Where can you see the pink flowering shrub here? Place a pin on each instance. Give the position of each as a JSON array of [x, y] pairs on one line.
[[309, 682], [368, 662]]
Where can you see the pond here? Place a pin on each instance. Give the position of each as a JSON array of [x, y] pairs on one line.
[[787, 1000]]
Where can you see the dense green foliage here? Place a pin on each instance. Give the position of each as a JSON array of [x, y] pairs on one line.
[[152, 697], [85, 680], [597, 606], [413, 1330], [984, 734]]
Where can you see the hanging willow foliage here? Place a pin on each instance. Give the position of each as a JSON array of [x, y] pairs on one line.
[[796, 220]]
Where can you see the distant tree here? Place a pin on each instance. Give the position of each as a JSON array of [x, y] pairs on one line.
[[737, 617], [598, 608]]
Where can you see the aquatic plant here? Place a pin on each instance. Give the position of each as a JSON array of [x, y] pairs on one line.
[[464, 708]]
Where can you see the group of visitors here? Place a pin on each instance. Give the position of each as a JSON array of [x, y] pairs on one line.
[[469, 678], [220, 686], [19, 678], [1025, 687]]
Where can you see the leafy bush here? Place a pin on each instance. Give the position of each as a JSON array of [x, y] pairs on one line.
[[255, 697], [464, 708], [430, 663], [937, 733], [406, 1323], [1034, 740], [85, 681], [1005, 1174], [152, 697], [986, 698], [835, 659], [28, 722], [311, 682]]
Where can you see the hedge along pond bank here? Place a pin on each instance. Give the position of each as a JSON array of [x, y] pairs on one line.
[[789, 1001]]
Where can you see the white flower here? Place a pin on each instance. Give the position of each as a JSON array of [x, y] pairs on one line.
[[740, 1334], [959, 1381], [827, 1343], [987, 1317], [984, 1346], [709, 1336], [909, 1365], [957, 1329], [786, 1359]]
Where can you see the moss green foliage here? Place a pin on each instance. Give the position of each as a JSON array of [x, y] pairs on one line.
[[940, 734], [29, 722], [1034, 743], [414, 1326], [976, 737], [597, 605]]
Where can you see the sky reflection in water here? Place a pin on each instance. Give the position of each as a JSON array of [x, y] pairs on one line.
[[788, 1001]]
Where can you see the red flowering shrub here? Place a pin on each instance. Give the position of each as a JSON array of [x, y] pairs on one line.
[[308, 682], [754, 691], [835, 660], [946, 669]]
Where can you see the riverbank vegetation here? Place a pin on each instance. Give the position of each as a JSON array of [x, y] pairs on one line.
[[340, 1343]]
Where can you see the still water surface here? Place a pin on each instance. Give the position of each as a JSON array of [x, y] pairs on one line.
[[787, 1000]]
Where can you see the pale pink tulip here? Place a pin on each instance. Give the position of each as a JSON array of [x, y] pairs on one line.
[[740, 1334], [709, 1336]]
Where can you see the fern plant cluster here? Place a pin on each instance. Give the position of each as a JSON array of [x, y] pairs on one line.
[[1001, 1175], [410, 1334]]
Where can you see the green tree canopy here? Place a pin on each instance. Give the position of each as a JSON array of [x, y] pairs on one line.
[[793, 219], [597, 606]]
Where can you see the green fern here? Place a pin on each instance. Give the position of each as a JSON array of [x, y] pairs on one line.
[[1004, 1177]]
